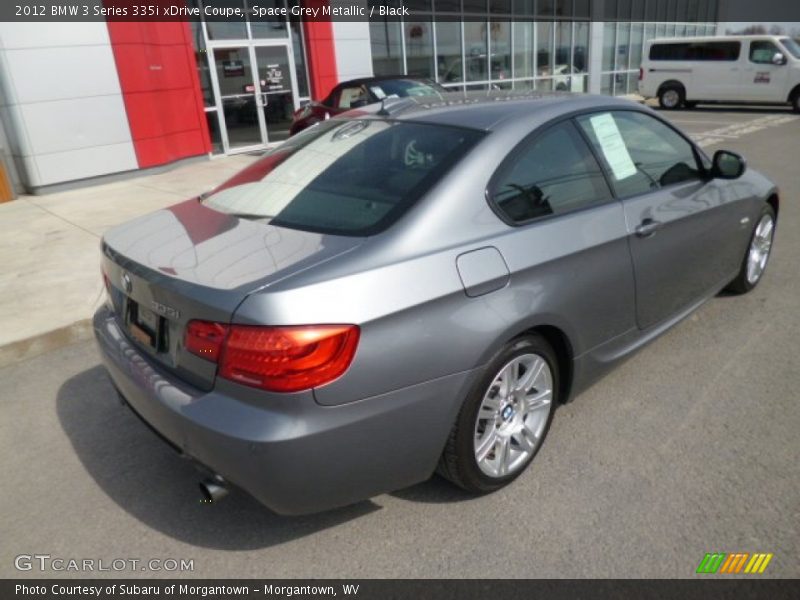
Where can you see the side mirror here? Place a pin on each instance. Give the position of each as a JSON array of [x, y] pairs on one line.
[[778, 59], [727, 165]]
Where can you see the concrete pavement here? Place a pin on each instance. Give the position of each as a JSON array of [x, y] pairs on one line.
[[50, 270]]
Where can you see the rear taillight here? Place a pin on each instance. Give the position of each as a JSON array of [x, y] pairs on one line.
[[641, 73], [204, 339], [280, 359]]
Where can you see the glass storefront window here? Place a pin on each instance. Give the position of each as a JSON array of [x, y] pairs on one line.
[[448, 51], [563, 55], [637, 38], [623, 46], [213, 131], [419, 48], [475, 50], [387, 49], [544, 49], [234, 71], [523, 49], [609, 45], [580, 58], [500, 46]]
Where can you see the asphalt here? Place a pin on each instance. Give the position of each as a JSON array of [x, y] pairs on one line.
[[689, 447]]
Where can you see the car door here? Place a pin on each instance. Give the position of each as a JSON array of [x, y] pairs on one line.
[[680, 226], [762, 80], [568, 253]]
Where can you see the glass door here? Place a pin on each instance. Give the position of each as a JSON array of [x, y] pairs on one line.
[[238, 91], [278, 89]]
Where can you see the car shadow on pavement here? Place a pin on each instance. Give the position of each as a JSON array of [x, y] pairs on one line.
[[154, 484]]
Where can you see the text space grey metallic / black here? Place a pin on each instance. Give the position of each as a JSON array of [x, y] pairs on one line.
[[416, 287]]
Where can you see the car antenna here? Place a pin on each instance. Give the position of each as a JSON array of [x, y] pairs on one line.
[[383, 112]]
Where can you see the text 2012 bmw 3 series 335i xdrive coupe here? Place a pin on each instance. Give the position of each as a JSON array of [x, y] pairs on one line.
[[416, 288]]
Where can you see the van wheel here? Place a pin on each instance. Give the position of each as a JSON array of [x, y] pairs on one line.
[[670, 97], [796, 102], [689, 104]]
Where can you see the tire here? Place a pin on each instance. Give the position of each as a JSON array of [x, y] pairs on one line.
[[671, 97], [757, 254], [796, 102], [508, 432]]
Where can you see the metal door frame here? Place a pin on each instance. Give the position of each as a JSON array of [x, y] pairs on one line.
[[250, 44]]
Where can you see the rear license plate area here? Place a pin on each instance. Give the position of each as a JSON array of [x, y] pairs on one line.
[[145, 326]]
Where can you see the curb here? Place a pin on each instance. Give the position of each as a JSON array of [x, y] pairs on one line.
[[22, 350]]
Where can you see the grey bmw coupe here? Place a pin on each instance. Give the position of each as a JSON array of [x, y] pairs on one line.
[[416, 288]]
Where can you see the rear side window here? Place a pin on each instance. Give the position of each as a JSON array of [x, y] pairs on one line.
[[640, 152], [697, 51], [353, 177], [554, 174]]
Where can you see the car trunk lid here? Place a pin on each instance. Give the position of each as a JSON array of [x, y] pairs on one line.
[[191, 262]]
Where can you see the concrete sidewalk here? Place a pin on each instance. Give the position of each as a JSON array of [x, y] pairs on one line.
[[49, 251]]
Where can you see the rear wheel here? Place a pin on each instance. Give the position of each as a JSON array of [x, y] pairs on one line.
[[671, 97], [757, 255], [505, 418]]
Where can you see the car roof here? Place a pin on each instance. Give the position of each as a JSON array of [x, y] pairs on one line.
[[488, 111]]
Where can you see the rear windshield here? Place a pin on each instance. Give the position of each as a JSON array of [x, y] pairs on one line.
[[352, 177]]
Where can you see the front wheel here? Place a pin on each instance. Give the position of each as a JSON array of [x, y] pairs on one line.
[[796, 102], [505, 419], [757, 255]]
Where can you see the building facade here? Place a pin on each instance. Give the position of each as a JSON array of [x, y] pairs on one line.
[[80, 101]]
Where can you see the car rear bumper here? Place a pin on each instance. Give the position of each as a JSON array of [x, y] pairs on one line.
[[290, 453]]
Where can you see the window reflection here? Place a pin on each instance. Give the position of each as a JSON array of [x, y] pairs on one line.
[[500, 50], [476, 51], [448, 55], [419, 48], [387, 50]]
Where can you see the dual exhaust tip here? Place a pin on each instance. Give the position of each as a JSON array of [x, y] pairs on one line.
[[213, 489]]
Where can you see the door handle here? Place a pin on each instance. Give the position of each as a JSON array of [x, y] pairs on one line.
[[648, 227]]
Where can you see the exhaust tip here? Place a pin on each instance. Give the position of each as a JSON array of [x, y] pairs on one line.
[[212, 490]]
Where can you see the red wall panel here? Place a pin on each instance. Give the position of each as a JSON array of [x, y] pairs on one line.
[[320, 52], [161, 90]]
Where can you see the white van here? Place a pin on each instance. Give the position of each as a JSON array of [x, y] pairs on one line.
[[748, 68]]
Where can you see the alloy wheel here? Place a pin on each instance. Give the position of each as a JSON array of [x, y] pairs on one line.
[[759, 249], [513, 415]]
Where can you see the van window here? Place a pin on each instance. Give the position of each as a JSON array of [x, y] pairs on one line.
[[701, 51], [761, 53]]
